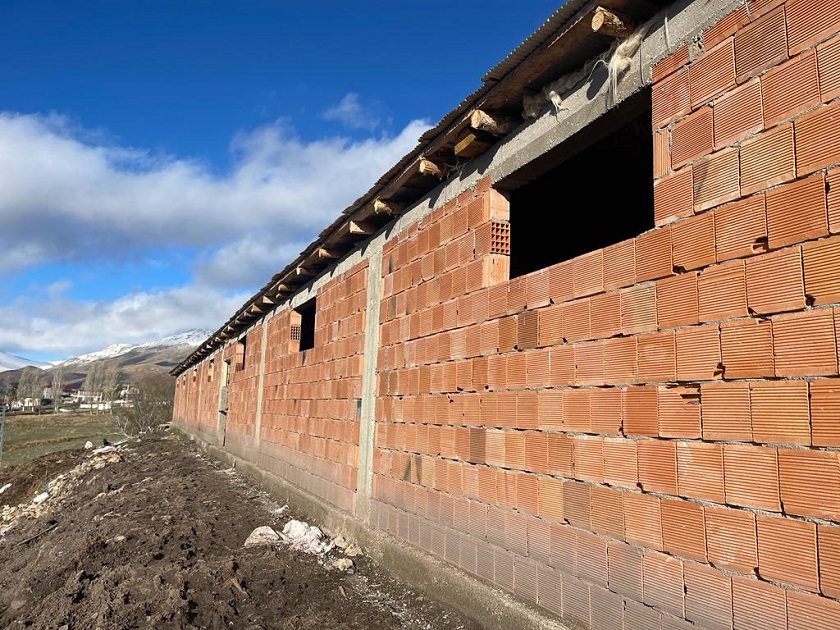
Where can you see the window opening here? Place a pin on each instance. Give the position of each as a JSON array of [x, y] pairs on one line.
[[593, 190], [307, 324]]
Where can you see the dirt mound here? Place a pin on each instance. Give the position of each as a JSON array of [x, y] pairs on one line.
[[153, 539]]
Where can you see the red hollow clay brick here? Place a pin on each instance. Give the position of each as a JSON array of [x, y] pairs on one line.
[[716, 179], [712, 73], [731, 539], [661, 154], [817, 139], [708, 596], [698, 353], [820, 261], [694, 242], [828, 66], [780, 412], [672, 199], [663, 583], [767, 160], [757, 605], [560, 282], [670, 63], [761, 44], [747, 348], [684, 529], [589, 364], [591, 558], [726, 26], [738, 114], [817, 357], [625, 570], [589, 458], [670, 98], [809, 21], [810, 483], [797, 212], [620, 264], [653, 254], [722, 291], [676, 301], [726, 411], [605, 313], [700, 471], [577, 410], [620, 462], [587, 274], [774, 282], [811, 612], [608, 511], [657, 462], [606, 411], [791, 88], [642, 520], [751, 476], [825, 409], [828, 542], [657, 357], [787, 551], [692, 137], [740, 228], [679, 412], [576, 320], [641, 411], [638, 309]]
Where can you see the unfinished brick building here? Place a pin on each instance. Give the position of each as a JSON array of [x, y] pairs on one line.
[[582, 343]]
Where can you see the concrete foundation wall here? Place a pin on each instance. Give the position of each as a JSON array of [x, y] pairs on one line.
[[645, 435]]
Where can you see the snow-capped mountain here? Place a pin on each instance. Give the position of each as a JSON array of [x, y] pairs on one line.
[[12, 362], [188, 338]]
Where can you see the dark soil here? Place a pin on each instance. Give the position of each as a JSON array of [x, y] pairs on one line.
[[181, 563]]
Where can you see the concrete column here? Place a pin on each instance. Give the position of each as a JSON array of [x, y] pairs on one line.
[[258, 418], [367, 420]]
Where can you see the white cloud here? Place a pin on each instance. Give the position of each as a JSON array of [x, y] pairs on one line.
[[70, 327], [250, 260], [64, 197], [350, 112], [73, 195]]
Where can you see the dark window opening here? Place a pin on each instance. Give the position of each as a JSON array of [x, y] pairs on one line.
[[241, 347], [307, 324], [593, 190]]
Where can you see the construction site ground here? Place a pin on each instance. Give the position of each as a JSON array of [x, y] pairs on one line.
[[151, 536]]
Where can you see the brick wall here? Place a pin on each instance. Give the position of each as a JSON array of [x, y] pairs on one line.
[[310, 427], [643, 436], [242, 390], [650, 429], [197, 399]]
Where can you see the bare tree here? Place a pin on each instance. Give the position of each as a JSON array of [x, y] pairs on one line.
[[57, 386], [149, 407], [111, 376], [29, 385]]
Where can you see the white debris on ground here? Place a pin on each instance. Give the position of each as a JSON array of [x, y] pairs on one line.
[[4, 488], [342, 564], [62, 484], [88, 445], [262, 536], [301, 536]]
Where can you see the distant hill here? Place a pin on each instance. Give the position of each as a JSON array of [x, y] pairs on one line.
[[134, 361], [12, 362]]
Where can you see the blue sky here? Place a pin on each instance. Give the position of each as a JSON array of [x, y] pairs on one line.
[[160, 160]]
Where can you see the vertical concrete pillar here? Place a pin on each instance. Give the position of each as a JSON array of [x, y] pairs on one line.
[[367, 419], [258, 418]]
